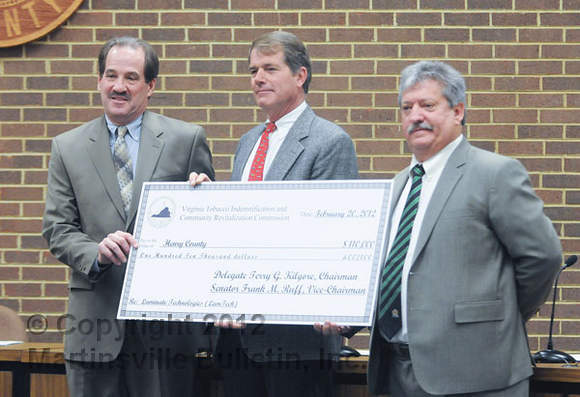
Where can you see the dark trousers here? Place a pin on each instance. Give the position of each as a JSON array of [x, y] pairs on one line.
[[137, 371], [244, 377]]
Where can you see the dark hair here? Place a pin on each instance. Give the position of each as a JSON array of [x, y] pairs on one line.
[[295, 53], [151, 66], [451, 81]]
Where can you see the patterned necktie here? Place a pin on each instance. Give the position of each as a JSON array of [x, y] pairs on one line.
[[257, 170], [124, 168], [390, 288]]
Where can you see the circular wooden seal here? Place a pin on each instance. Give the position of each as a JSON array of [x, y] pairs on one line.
[[22, 21]]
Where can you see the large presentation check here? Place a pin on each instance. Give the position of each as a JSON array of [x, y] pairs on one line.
[[266, 252]]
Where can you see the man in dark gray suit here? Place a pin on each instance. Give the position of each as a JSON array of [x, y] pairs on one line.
[[471, 256], [277, 360], [94, 182]]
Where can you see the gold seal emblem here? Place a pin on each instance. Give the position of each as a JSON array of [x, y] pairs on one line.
[[22, 21]]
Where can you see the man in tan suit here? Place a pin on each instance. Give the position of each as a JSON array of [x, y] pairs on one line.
[[94, 181]]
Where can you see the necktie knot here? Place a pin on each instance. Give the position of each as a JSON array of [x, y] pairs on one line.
[[270, 127], [121, 131], [418, 170]]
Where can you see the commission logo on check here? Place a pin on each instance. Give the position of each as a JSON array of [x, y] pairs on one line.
[[161, 212]]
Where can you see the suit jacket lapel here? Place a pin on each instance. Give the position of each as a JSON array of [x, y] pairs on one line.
[[291, 147], [150, 147], [451, 174], [99, 151]]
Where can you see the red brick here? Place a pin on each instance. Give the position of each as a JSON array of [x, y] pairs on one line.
[[24, 289], [137, 19], [330, 83], [349, 100], [233, 115], [573, 101], [24, 67], [354, 67], [561, 83], [167, 99], [421, 51], [23, 161], [539, 132], [398, 35], [541, 35], [113, 4], [47, 83], [224, 146], [447, 35], [33, 242], [229, 19], [470, 51], [560, 51], [209, 34], [43, 305], [351, 35], [154, 4], [494, 35], [9, 177], [299, 4], [517, 51], [493, 100], [509, 19], [47, 273], [277, 18], [493, 67], [248, 34], [541, 100], [466, 19], [190, 115], [394, 4], [32, 209], [537, 4], [10, 146], [418, 19], [47, 51], [542, 165], [376, 51], [207, 99], [21, 257], [442, 4], [56, 290], [389, 163], [562, 147], [368, 18], [560, 116], [346, 4], [517, 116], [9, 273], [562, 181], [374, 83], [84, 115], [21, 193], [373, 115], [387, 100], [539, 67], [9, 115], [91, 19], [202, 4], [182, 18], [560, 19], [109, 33], [8, 209], [11, 83], [229, 51], [520, 147], [571, 5], [517, 83], [20, 99], [227, 83], [309, 35], [489, 4], [246, 99], [329, 51], [550, 196], [377, 147]]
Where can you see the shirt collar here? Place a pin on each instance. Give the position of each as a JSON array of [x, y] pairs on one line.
[[133, 128], [289, 118], [437, 162]]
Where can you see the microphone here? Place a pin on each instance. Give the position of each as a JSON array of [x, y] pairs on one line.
[[550, 355]]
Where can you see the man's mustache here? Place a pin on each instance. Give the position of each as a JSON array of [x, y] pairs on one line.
[[419, 126], [119, 94]]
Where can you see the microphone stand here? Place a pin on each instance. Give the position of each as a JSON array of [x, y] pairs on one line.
[[550, 355]]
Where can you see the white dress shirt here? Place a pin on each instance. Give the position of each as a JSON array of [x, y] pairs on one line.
[[283, 125], [433, 168]]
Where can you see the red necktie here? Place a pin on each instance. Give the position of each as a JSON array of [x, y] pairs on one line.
[[257, 170]]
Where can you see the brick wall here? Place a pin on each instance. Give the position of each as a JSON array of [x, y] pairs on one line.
[[520, 58]]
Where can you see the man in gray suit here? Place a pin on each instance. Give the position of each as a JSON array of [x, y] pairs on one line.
[[94, 182], [471, 256], [277, 360]]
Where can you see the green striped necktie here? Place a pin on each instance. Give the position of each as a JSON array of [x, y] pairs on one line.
[[123, 167], [390, 288]]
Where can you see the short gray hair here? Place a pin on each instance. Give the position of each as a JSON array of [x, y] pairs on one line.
[[451, 80], [295, 53]]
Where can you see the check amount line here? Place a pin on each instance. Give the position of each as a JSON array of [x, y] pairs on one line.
[[277, 248]]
